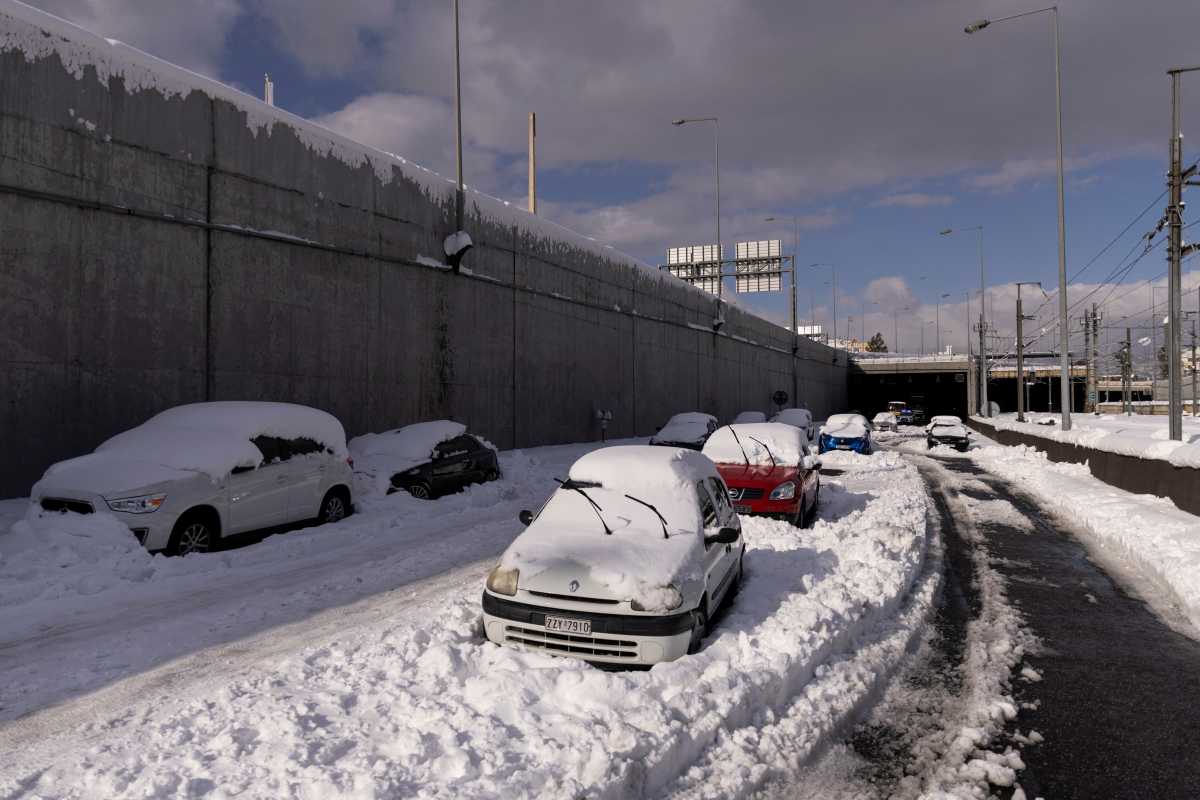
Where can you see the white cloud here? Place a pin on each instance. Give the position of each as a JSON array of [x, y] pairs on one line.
[[914, 200]]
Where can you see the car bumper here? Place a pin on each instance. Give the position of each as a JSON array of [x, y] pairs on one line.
[[856, 446], [615, 638], [767, 506], [153, 530], [959, 443]]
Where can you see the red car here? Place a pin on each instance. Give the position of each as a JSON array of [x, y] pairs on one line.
[[768, 470]]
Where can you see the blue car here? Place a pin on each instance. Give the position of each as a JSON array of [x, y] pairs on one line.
[[846, 432]]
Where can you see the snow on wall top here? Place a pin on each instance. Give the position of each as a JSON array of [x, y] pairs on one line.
[[40, 35]]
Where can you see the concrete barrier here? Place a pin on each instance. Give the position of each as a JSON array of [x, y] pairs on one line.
[[164, 239], [1133, 474]]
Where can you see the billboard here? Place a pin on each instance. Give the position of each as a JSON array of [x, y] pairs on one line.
[[811, 331], [759, 266], [695, 264]]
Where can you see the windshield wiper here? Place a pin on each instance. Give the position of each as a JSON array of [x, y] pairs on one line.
[[764, 447], [655, 510], [739, 444], [574, 487]]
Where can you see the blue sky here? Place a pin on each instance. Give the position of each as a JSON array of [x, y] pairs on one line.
[[877, 128]]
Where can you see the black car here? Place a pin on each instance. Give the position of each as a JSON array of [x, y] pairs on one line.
[[455, 463], [948, 433], [427, 459]]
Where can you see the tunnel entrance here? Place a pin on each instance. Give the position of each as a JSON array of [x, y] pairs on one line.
[[936, 392]]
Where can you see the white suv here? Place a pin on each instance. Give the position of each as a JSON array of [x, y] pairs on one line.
[[625, 564], [195, 473]]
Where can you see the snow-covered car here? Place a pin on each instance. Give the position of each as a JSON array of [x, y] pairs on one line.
[[193, 474], [943, 419], [690, 429], [947, 430], [885, 421], [624, 564], [768, 470], [749, 417], [799, 417], [846, 432], [427, 460]]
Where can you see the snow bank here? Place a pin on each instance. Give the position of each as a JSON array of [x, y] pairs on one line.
[[379, 456], [417, 703], [1138, 436], [758, 443], [1150, 533]]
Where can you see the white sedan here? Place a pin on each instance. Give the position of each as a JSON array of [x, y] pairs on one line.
[[624, 564], [885, 421]]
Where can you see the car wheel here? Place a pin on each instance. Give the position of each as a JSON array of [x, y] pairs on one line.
[[334, 508], [699, 627], [193, 533], [800, 520], [419, 491], [492, 475]]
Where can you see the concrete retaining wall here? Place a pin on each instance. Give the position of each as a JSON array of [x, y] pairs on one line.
[[1133, 474], [164, 240]]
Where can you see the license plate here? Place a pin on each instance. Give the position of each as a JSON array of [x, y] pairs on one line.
[[743, 509], [845, 447], [564, 625]]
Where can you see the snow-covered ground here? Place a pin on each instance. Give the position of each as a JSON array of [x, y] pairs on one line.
[[347, 660], [1144, 436]]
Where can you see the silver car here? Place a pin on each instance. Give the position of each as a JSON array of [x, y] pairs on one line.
[[624, 564], [196, 473]]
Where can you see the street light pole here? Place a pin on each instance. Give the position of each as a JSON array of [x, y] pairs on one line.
[[1021, 350], [795, 254], [984, 408], [939, 321], [1063, 322], [459, 197], [717, 175], [833, 280]]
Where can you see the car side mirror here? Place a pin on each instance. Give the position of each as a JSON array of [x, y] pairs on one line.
[[723, 536], [526, 517]]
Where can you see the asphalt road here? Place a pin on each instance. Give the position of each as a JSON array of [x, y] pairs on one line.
[[1118, 703]]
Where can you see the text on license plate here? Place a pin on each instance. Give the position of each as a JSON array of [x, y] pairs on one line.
[[845, 447], [565, 625], [743, 509]]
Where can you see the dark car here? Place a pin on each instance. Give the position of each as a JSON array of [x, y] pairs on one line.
[[690, 429], [427, 460], [947, 430]]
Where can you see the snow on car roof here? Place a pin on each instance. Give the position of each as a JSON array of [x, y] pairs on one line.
[[207, 438], [692, 416], [794, 416], [884, 415], [945, 419], [749, 416], [842, 419], [413, 443], [785, 442]]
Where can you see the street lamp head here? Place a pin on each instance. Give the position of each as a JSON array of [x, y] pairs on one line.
[[977, 26], [769, 219], [678, 121], [946, 232]]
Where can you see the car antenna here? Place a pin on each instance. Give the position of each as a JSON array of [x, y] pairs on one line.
[[770, 455], [570, 484], [656, 513], [737, 439]]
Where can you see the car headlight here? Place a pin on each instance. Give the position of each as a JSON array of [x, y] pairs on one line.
[[784, 491], [671, 597], [502, 580], [145, 504]]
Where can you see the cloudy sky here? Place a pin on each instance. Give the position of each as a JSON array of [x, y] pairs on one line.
[[863, 127]]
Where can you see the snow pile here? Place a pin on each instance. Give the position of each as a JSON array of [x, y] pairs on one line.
[[1159, 540], [208, 438], [379, 456], [763, 444], [416, 702], [1139, 436]]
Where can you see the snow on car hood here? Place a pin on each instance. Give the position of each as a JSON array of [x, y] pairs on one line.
[[567, 542], [800, 417], [786, 444], [379, 456], [684, 428], [206, 438]]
